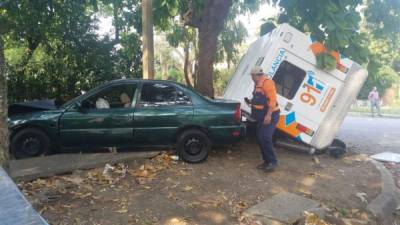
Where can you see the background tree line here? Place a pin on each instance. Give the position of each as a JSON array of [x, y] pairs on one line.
[[52, 48]]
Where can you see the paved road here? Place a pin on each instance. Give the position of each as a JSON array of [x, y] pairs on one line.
[[371, 135]]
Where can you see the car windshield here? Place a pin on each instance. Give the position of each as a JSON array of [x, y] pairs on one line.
[[68, 103]]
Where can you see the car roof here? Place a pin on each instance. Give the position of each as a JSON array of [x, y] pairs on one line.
[[131, 80], [127, 81]]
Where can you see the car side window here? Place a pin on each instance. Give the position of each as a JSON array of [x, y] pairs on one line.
[[114, 97], [158, 94]]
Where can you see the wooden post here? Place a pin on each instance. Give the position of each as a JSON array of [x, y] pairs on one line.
[[147, 38]]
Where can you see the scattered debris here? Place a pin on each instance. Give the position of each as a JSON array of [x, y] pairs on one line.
[[387, 157], [188, 188], [176, 221], [314, 219], [174, 157], [362, 196], [107, 169], [316, 160], [202, 188]]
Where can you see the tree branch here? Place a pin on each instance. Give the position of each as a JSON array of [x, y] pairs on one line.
[[190, 18]]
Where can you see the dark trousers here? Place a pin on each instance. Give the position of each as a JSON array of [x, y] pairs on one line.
[[264, 138]]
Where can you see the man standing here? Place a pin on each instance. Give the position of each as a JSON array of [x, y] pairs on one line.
[[374, 100], [265, 111]]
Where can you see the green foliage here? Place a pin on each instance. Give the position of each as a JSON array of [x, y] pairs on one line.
[[381, 66], [231, 37], [383, 18], [326, 61], [52, 50], [373, 42], [221, 79], [334, 23], [173, 74], [382, 78], [382, 23], [267, 27]]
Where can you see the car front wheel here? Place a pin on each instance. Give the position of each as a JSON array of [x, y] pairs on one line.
[[30, 142], [193, 146]]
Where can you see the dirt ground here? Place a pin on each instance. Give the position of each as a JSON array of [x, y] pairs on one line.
[[165, 191]]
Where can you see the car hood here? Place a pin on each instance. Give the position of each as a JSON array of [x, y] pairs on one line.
[[32, 106]]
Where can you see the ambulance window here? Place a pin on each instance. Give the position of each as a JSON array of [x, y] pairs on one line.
[[288, 79]]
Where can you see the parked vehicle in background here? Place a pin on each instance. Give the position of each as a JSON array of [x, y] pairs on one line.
[[127, 113]]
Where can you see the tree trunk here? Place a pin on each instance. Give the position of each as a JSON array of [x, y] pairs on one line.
[[210, 24], [164, 68], [147, 37], [3, 108], [187, 65]]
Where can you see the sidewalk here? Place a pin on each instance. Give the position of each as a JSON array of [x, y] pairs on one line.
[[14, 208], [39, 167]]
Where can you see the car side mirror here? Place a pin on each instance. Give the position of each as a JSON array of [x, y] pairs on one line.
[[78, 106]]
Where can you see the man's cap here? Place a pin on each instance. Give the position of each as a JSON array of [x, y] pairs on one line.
[[257, 70]]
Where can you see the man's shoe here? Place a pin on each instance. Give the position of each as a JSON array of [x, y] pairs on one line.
[[270, 167], [262, 166]]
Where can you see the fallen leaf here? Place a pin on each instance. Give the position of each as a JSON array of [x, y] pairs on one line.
[[123, 210], [362, 196], [314, 219], [43, 210], [188, 188]]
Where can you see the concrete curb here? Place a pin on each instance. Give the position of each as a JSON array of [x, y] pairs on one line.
[[386, 203], [33, 168], [393, 116]]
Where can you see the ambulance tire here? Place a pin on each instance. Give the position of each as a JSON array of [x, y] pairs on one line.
[[193, 146], [337, 149], [320, 151]]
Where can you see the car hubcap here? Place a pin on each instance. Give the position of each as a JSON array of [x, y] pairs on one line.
[[193, 146], [31, 146]]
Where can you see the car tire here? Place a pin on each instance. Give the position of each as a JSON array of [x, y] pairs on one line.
[[193, 146], [30, 142]]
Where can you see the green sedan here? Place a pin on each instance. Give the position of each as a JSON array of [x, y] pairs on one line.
[[127, 113]]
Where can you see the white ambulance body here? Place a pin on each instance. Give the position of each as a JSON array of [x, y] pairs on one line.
[[313, 102]]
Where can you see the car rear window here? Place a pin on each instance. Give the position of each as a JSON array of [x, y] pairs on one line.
[[158, 94]]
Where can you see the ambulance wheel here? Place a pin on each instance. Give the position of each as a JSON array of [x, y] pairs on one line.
[[337, 149], [193, 146]]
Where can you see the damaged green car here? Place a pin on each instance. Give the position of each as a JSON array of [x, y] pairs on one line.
[[126, 113]]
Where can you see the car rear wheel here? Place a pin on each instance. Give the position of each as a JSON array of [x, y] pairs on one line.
[[30, 142], [193, 146]]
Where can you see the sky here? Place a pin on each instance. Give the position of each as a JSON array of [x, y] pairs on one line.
[[252, 22]]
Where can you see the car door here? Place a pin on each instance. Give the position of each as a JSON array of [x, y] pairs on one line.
[[161, 110], [105, 119]]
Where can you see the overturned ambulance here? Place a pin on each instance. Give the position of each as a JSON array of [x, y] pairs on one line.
[[313, 102]]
